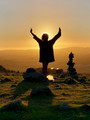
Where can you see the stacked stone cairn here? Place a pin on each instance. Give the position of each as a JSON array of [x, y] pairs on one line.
[[71, 70]]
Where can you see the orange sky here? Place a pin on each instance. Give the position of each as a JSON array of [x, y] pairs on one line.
[[18, 16]]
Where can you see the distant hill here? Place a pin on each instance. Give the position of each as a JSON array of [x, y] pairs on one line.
[[22, 59], [2, 69]]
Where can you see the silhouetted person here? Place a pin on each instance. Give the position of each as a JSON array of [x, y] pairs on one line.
[[46, 49]]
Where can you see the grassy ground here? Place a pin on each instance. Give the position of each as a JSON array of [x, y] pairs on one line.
[[43, 108]]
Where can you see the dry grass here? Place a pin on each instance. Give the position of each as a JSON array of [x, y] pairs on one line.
[[74, 95]]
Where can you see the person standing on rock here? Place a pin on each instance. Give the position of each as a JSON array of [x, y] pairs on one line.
[[46, 49]]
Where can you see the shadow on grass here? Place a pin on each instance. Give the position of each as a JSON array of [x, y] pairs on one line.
[[24, 86], [46, 112]]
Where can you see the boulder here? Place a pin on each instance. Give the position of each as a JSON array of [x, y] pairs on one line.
[[42, 91], [33, 76]]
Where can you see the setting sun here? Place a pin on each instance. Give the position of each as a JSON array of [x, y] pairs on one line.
[[46, 33]]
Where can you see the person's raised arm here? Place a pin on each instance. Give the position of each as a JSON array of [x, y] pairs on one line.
[[56, 36], [34, 36]]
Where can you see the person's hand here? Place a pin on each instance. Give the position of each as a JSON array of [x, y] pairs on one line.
[[59, 30], [31, 31]]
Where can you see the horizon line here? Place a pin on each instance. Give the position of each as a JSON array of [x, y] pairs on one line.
[[38, 48]]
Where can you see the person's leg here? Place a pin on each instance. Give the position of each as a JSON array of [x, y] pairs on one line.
[[45, 65]]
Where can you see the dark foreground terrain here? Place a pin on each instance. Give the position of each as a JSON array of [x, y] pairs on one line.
[[70, 101]]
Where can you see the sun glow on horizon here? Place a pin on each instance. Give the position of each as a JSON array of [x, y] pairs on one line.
[[44, 16]]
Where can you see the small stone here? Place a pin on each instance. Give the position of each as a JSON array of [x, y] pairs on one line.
[[56, 85], [64, 106], [63, 75], [13, 85], [63, 94], [57, 81], [5, 80], [86, 107], [57, 88], [82, 80], [69, 81], [84, 77], [15, 82], [13, 89], [4, 95], [69, 118], [60, 88], [12, 105], [7, 74]]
